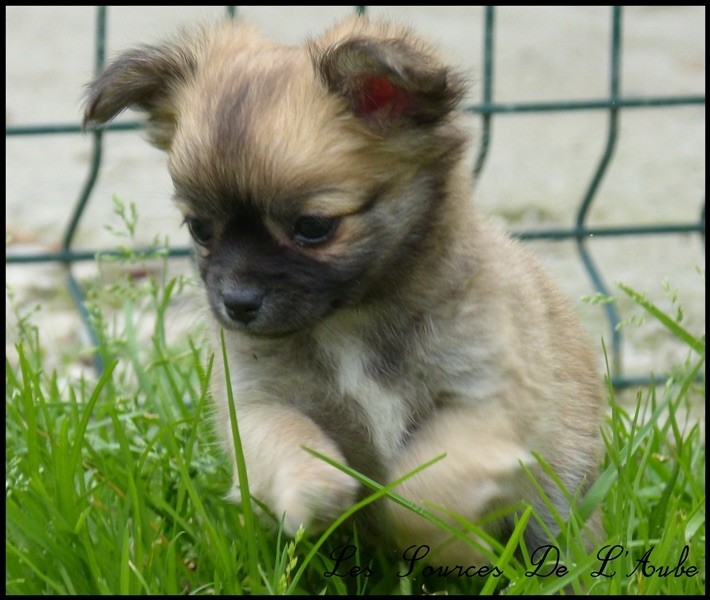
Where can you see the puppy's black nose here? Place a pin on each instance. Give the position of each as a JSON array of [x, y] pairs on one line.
[[243, 303]]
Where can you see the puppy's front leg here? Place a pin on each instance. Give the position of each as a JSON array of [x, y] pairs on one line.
[[481, 470], [291, 482]]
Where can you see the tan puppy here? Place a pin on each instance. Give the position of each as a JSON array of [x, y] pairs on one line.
[[369, 313]]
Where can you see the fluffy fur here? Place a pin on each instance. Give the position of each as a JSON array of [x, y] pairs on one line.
[[369, 313]]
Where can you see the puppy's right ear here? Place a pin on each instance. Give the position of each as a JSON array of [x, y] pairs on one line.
[[145, 78]]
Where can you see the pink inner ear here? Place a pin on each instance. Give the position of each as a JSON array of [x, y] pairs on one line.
[[376, 93]]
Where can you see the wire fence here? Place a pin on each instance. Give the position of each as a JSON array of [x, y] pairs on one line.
[[488, 110]]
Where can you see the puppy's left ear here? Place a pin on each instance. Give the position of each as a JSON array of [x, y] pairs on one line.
[[390, 78], [145, 78]]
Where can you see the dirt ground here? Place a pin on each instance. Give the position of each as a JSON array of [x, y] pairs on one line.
[[537, 171]]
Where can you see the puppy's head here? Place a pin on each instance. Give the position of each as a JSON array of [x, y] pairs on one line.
[[311, 178]]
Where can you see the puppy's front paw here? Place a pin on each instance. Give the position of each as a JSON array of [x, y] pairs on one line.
[[312, 493]]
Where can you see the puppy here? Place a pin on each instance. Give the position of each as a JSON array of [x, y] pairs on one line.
[[368, 312]]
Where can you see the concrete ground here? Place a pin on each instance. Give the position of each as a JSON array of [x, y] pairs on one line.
[[536, 174]]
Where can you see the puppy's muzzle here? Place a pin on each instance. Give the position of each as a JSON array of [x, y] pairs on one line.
[[243, 304]]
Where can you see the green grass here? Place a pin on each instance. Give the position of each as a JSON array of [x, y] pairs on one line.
[[115, 485]]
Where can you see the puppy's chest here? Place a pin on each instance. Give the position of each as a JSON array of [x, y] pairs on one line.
[[380, 401]]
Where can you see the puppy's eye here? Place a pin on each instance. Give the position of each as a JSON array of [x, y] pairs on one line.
[[311, 230], [200, 230]]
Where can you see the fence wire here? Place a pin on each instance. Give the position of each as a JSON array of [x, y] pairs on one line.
[[488, 110]]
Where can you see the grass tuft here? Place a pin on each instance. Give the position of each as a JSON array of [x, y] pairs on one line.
[[115, 484]]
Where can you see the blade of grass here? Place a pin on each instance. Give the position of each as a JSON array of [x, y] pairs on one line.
[[673, 326], [380, 492], [39, 572], [249, 527], [509, 550]]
